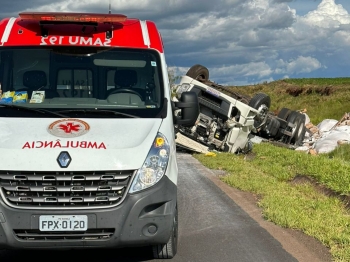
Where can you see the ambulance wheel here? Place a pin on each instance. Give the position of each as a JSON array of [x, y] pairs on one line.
[[168, 250], [198, 72]]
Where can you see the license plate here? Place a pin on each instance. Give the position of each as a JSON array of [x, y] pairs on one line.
[[63, 223]]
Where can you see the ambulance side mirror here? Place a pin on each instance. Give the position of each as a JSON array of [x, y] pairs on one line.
[[189, 108]]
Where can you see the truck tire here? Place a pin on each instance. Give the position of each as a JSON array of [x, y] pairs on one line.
[[298, 132], [168, 250], [284, 113], [272, 126], [198, 72], [259, 100], [301, 137]]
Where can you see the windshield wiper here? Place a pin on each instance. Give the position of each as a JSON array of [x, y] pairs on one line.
[[97, 111], [41, 111]]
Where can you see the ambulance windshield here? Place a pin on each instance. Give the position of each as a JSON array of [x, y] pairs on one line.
[[68, 78]]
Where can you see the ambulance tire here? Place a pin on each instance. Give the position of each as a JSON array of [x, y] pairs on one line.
[[168, 250], [198, 72]]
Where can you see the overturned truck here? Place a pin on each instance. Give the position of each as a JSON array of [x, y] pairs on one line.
[[229, 121]]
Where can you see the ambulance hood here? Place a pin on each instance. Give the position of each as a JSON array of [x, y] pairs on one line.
[[32, 144]]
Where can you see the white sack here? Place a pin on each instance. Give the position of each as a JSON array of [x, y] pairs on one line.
[[326, 125], [328, 143], [343, 128]]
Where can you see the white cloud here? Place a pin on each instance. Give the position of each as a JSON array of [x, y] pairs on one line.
[[299, 65], [302, 43], [328, 15], [260, 69], [178, 71]]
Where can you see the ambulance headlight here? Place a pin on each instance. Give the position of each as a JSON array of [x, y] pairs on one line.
[[182, 88], [154, 166]]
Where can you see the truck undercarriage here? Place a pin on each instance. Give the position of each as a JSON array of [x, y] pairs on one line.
[[228, 120]]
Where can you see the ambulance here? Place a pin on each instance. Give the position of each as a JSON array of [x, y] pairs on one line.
[[87, 140]]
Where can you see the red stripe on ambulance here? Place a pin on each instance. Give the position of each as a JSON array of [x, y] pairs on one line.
[[124, 34]]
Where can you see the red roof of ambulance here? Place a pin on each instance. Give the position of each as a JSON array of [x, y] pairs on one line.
[[131, 33]]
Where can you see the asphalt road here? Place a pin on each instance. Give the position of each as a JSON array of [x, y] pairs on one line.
[[212, 227]]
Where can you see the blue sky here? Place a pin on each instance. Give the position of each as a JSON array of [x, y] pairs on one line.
[[240, 41]]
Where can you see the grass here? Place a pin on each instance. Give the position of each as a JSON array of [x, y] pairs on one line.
[[270, 175], [341, 152], [323, 98], [317, 207]]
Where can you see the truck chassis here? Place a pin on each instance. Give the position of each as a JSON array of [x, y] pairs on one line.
[[228, 120]]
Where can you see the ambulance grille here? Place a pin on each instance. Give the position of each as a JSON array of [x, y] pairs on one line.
[[64, 190], [90, 234]]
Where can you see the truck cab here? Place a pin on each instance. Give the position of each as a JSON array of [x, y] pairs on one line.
[[87, 133]]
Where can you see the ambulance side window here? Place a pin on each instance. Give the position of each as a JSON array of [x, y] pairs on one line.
[[75, 83]]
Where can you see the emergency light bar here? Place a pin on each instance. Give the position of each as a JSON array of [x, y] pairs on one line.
[[72, 17]]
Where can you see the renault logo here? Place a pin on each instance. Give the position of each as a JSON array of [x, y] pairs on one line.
[[64, 159]]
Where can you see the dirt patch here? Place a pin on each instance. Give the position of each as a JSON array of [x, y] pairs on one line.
[[297, 90], [294, 91], [303, 179]]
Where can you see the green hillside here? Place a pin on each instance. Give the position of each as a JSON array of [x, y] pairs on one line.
[[323, 98]]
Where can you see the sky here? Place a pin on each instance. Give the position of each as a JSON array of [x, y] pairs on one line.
[[241, 42]]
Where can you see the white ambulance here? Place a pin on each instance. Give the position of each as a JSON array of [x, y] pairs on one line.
[[87, 143]]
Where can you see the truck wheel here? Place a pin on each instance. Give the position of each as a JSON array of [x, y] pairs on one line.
[[259, 100], [272, 127], [298, 132], [198, 72], [168, 250], [300, 139], [284, 113]]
